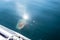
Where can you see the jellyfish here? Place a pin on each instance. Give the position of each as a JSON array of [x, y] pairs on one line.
[[22, 22]]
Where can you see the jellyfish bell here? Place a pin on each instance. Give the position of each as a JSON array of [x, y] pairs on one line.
[[21, 24]]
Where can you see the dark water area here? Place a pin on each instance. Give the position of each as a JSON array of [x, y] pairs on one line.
[[46, 13]]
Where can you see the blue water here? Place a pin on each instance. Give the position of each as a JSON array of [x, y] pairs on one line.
[[46, 13]]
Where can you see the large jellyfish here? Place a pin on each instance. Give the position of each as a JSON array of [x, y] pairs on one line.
[[22, 22]]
